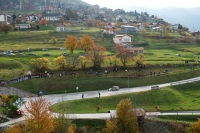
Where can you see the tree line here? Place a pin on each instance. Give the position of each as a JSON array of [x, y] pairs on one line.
[[93, 53]]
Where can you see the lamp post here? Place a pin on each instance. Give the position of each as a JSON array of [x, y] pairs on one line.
[[128, 77], [76, 83]]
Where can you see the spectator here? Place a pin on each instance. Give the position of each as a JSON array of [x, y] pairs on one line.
[[82, 96], [99, 94]]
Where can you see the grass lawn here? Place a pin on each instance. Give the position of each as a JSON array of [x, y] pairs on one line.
[[181, 97], [92, 82]]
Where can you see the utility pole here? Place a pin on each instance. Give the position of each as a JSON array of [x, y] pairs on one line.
[[128, 77]]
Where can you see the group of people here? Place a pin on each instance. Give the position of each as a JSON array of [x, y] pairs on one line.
[[25, 77]]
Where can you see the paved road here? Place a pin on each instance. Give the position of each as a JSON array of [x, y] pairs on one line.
[[91, 94]]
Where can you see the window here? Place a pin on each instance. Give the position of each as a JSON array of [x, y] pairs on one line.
[[140, 51], [135, 51], [126, 39]]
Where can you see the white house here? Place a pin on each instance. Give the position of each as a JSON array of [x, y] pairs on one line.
[[122, 39], [60, 28], [52, 17], [5, 19]]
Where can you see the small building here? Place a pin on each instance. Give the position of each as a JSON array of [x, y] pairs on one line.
[[23, 26], [122, 39], [109, 29], [52, 17], [129, 29], [5, 19], [60, 28], [137, 50]]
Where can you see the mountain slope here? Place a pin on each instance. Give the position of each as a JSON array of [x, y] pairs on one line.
[[189, 17]]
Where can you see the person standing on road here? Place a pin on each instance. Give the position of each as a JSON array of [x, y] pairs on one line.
[[99, 94], [82, 96]]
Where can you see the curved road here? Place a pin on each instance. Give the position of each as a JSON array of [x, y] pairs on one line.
[[55, 98]]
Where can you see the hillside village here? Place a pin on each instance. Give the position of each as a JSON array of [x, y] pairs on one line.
[[111, 63]]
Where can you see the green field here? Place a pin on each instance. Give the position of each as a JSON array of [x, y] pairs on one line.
[[181, 97]]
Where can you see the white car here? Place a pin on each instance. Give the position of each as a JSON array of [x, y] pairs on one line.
[[114, 88]]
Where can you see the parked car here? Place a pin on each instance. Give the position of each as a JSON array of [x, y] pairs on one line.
[[114, 88], [178, 54], [29, 50], [64, 54], [46, 54], [44, 49], [62, 48]]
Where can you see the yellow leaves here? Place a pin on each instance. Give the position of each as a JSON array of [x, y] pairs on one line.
[[195, 127], [126, 122], [86, 42], [4, 97], [110, 127], [70, 129], [40, 64], [60, 62], [39, 119], [53, 40], [71, 43], [18, 128], [140, 60]]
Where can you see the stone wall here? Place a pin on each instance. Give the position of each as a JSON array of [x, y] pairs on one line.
[[15, 91]]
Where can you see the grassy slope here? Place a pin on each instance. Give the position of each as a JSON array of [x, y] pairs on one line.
[[92, 82], [182, 97]]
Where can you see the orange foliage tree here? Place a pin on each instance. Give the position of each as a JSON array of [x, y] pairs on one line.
[[125, 54], [86, 42], [17, 128], [39, 118], [126, 121], [99, 24], [43, 21], [71, 43], [195, 127], [97, 54]]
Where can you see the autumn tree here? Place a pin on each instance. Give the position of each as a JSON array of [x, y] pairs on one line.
[[83, 61], [125, 54], [39, 118], [40, 64], [143, 31], [99, 24], [16, 128], [86, 42], [125, 121], [140, 60], [60, 62], [71, 43], [43, 21], [165, 31], [53, 40], [4, 98], [113, 60], [97, 55], [195, 127], [5, 28]]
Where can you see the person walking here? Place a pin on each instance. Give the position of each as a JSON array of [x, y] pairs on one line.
[[82, 96], [99, 94], [98, 108]]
